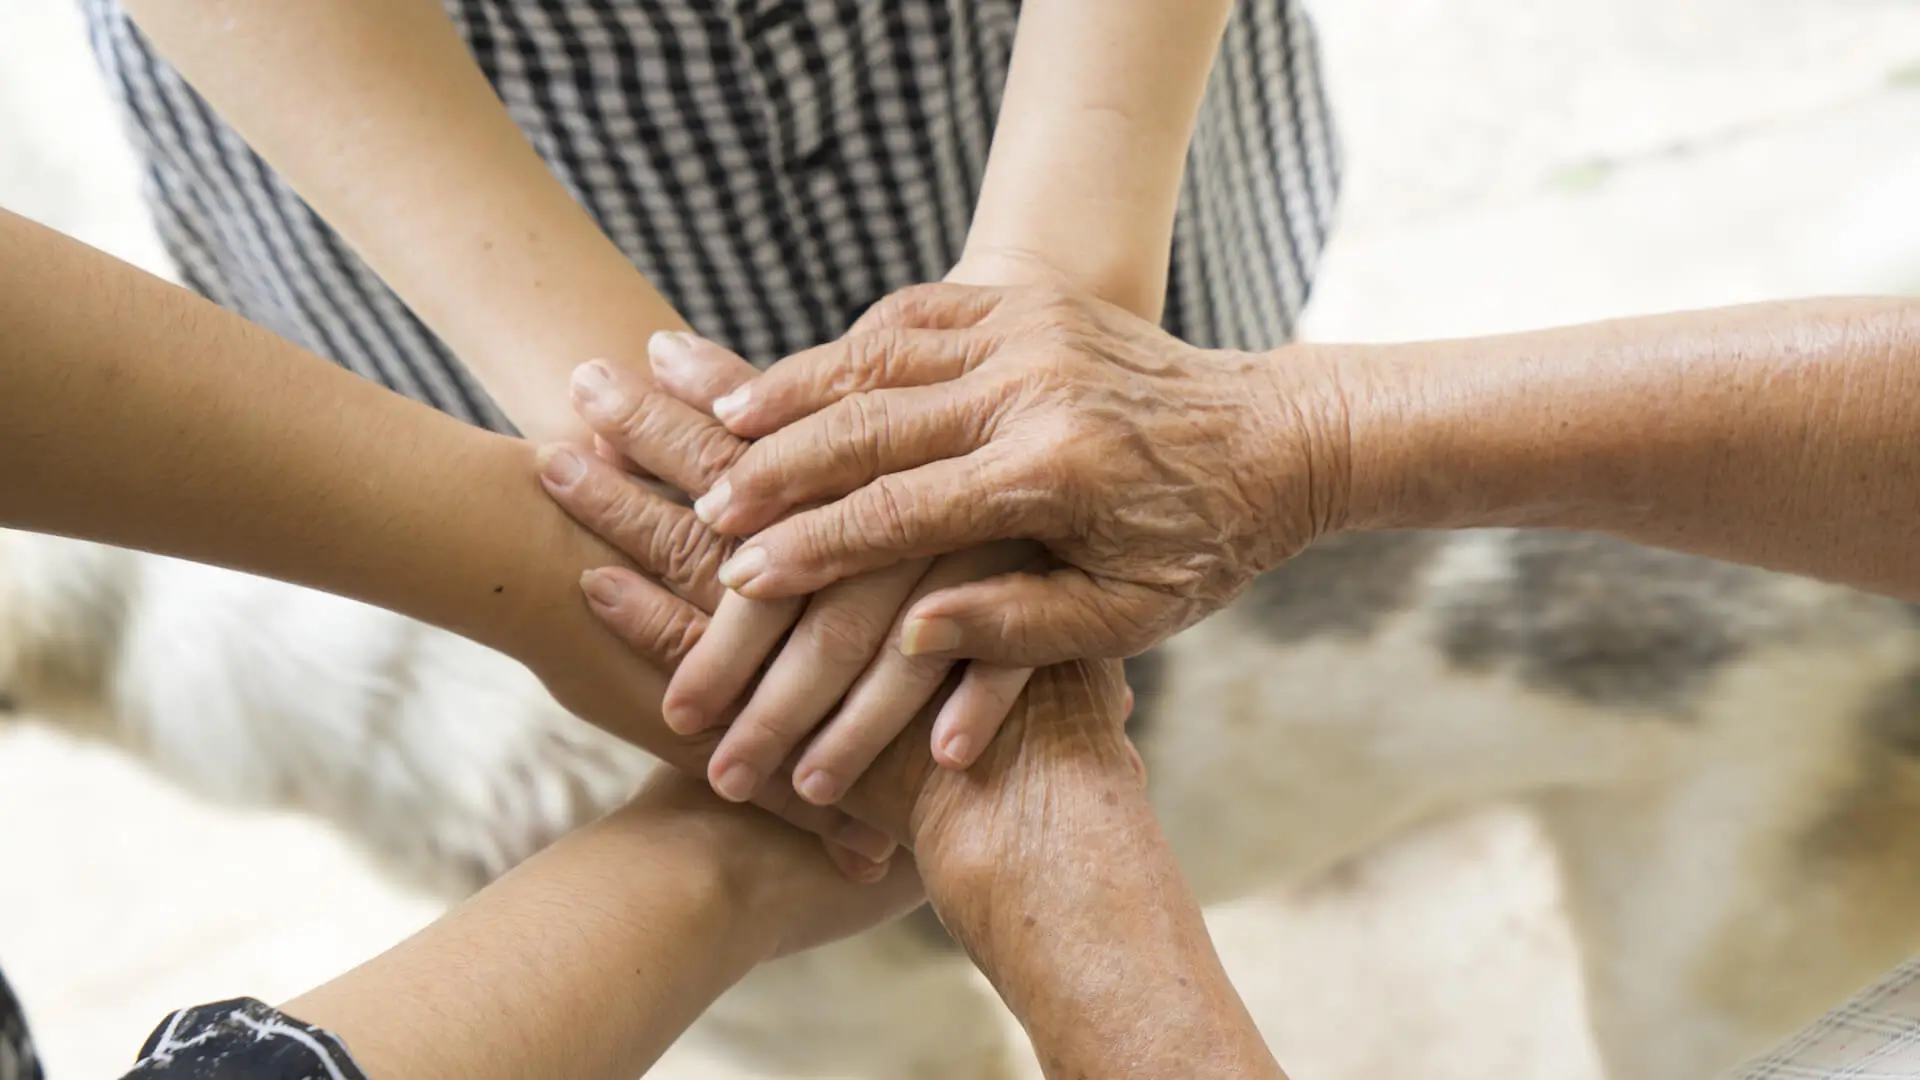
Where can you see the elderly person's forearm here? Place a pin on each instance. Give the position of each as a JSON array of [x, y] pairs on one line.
[[1046, 864], [1166, 477], [1778, 435]]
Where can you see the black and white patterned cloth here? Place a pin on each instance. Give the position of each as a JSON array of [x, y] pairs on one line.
[[17, 1059], [242, 1039], [772, 166]]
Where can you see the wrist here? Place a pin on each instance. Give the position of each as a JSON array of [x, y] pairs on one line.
[[1298, 435], [1130, 281], [992, 850], [721, 864], [1443, 435]]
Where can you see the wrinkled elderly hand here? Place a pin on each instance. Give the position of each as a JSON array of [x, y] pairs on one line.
[[1162, 476], [836, 690]]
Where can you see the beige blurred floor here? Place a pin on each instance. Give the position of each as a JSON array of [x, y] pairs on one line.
[[1512, 163]]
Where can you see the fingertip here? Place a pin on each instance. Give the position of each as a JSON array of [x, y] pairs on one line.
[[744, 571], [956, 752], [560, 466], [818, 786], [670, 355], [683, 714], [731, 409], [929, 636], [603, 588], [734, 781]]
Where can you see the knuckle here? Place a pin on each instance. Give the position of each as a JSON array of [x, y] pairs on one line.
[[843, 635], [685, 553], [760, 468], [626, 419], [922, 671], [870, 356], [903, 307], [625, 519], [713, 451], [862, 422], [678, 633], [894, 309], [662, 632], [886, 520]]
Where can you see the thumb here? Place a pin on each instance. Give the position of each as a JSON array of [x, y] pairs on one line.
[[1032, 620]]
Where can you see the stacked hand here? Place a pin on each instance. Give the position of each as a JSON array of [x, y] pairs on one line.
[[957, 421], [1161, 478], [837, 670]]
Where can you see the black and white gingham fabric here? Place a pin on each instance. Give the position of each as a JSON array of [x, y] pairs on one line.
[[772, 166]]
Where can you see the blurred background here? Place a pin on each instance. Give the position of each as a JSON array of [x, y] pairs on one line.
[[1511, 163]]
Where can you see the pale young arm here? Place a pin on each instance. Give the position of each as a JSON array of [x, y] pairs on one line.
[[1091, 145], [139, 415], [377, 115], [1781, 435]]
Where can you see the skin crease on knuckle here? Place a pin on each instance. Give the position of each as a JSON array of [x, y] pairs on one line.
[[713, 451], [655, 627], [687, 554], [841, 634], [883, 521]]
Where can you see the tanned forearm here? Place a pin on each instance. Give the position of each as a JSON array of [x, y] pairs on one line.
[[374, 111], [1091, 144], [1779, 435]]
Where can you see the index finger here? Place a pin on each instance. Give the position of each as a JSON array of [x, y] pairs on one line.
[[655, 430], [882, 358], [833, 452]]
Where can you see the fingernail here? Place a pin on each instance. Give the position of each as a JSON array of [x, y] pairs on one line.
[[924, 636], [959, 750], [593, 387], [671, 352], [601, 588], [736, 783], [865, 840], [871, 874], [560, 466], [710, 506], [818, 787], [730, 406], [682, 719], [745, 565]]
